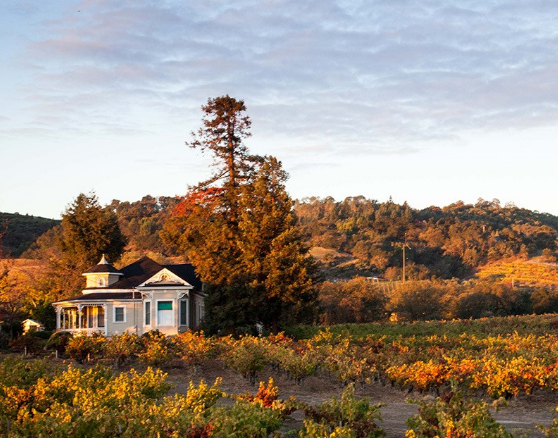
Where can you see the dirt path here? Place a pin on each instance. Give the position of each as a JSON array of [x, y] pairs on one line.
[[521, 414]]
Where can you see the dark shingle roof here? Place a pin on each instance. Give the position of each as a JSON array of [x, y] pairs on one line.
[[103, 267], [187, 272], [137, 273], [104, 296], [145, 268]]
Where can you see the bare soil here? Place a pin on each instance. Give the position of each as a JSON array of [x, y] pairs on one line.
[[520, 416]]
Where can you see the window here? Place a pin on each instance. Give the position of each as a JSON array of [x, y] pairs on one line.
[[90, 317], [100, 316], [148, 313], [101, 282], [200, 313], [183, 312], [119, 314], [83, 318], [164, 313]]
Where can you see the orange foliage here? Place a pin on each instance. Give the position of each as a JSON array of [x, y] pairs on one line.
[[202, 198]]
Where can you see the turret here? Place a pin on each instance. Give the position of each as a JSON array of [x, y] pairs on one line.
[[102, 275]]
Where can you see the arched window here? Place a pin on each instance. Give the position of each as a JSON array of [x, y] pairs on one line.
[[101, 282], [164, 277]]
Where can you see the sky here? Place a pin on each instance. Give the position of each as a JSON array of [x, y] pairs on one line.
[[428, 102]]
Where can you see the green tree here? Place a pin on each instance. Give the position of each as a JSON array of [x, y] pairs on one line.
[[88, 232], [238, 228], [273, 250], [225, 126]]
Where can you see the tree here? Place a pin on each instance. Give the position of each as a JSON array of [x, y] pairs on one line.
[[273, 249], [10, 300], [239, 230], [225, 126], [88, 232]]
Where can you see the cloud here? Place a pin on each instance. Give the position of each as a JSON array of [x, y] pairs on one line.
[[365, 77]]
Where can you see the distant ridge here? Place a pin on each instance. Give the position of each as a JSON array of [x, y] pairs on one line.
[[359, 237], [21, 230]]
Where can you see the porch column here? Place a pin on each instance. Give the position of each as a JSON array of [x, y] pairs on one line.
[[58, 320], [106, 319], [79, 316]]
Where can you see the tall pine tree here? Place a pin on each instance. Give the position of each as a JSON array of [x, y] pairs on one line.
[[273, 249], [88, 232], [239, 230]]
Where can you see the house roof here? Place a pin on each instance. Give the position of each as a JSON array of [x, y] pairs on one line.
[[138, 273], [142, 270], [103, 296], [103, 267]]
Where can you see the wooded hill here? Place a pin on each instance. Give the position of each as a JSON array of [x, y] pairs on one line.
[[440, 242], [20, 231], [356, 236]]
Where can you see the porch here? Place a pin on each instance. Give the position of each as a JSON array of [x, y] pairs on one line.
[[82, 318]]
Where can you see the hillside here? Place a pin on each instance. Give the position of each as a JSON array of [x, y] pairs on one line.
[[448, 242], [356, 236], [522, 273], [20, 231]]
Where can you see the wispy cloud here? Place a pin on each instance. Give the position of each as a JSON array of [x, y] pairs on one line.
[[365, 77]]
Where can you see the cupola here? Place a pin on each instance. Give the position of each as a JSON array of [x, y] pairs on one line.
[[102, 275]]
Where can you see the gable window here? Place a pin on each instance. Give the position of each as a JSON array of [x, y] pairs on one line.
[[148, 313], [183, 312], [164, 313], [119, 314]]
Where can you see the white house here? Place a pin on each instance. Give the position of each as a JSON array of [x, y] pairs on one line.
[[30, 325], [138, 298]]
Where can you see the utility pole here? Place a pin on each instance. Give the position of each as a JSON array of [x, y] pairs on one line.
[[403, 246]]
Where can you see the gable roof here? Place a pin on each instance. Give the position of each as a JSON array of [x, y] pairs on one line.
[[145, 268]]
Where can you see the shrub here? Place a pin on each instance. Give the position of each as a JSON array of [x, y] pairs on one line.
[[58, 341], [453, 416], [156, 349], [359, 416], [248, 356], [122, 348], [84, 348], [28, 342], [193, 348]]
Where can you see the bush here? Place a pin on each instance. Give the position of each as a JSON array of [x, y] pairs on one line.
[[28, 342], [99, 403], [453, 416], [122, 348], [420, 300], [193, 348], [478, 305], [156, 349], [85, 348], [248, 356], [358, 416], [58, 341]]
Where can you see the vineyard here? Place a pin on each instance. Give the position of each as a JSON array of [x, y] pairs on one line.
[[450, 367], [522, 273]]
